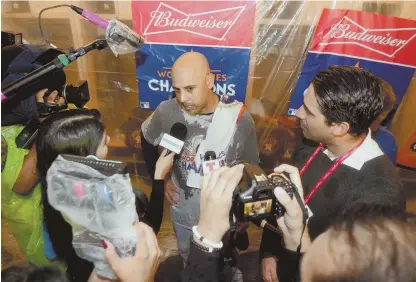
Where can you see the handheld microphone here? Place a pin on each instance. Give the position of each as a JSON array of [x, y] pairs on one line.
[[115, 30], [210, 164], [174, 141]]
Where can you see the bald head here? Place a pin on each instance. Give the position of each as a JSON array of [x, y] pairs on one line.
[[192, 83], [193, 61]]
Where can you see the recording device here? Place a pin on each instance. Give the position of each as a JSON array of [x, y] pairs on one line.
[[32, 68], [210, 163], [254, 198], [107, 168], [174, 141], [115, 31], [77, 95], [27, 136]]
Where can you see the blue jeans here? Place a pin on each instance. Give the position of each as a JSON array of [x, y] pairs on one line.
[[183, 237]]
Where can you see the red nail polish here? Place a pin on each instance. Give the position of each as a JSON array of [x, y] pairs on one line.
[[104, 244]]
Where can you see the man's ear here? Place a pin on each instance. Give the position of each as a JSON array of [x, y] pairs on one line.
[[209, 80], [340, 129]]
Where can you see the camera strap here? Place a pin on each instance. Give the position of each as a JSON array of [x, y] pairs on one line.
[[232, 223]]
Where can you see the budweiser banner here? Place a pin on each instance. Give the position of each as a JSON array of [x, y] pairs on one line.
[[221, 30], [381, 44]]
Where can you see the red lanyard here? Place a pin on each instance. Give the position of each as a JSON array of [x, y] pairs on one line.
[[331, 170]]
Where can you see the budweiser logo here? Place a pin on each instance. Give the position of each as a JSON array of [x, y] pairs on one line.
[[389, 40], [213, 24]]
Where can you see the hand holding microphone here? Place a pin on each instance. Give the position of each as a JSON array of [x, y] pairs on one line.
[[164, 164], [174, 141], [173, 144]]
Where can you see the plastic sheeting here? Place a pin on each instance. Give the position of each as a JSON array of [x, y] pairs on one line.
[[97, 207], [22, 213], [281, 37]]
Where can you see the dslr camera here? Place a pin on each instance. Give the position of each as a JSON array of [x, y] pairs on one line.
[[254, 199]]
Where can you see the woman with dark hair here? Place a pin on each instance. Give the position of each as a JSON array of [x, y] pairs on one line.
[[80, 132]]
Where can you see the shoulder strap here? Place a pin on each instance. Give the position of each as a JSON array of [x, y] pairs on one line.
[[242, 109]]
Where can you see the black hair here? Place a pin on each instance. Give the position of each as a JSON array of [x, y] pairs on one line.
[[30, 273], [76, 132], [349, 94], [379, 245]]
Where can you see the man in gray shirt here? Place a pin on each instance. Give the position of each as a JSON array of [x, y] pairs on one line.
[[194, 106]]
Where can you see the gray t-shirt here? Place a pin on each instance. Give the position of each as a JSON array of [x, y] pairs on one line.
[[243, 147]]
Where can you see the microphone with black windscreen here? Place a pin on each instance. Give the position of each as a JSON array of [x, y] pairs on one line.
[[174, 141], [210, 163]]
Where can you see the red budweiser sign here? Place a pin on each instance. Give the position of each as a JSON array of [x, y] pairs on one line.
[[366, 35], [210, 23]]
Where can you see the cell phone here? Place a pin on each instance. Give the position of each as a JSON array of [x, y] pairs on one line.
[[28, 135]]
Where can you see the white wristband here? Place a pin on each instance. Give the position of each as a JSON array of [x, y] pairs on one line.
[[206, 241]]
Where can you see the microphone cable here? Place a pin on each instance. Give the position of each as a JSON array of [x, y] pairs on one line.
[[70, 49]]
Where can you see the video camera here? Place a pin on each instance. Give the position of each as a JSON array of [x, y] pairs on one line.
[[254, 198], [19, 60], [77, 95]]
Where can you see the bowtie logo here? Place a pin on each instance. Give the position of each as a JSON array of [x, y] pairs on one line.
[[213, 24], [385, 41]]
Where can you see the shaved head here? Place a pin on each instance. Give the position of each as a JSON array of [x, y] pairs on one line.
[[192, 83], [192, 61]]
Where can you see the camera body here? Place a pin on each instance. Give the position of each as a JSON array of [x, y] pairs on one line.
[[254, 198], [78, 95]]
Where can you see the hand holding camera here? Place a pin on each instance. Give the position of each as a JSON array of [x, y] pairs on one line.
[[216, 200], [257, 196], [292, 222]]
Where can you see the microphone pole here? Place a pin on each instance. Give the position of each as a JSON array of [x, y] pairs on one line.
[[60, 62]]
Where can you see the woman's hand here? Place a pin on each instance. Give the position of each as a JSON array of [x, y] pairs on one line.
[[216, 199], [164, 164], [144, 264]]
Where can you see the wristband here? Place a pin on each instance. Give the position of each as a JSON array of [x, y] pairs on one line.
[[206, 241], [203, 248]]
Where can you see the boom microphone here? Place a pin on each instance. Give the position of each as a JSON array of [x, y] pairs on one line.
[[176, 139], [115, 30]]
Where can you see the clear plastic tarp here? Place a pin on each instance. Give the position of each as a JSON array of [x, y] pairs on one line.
[[282, 35]]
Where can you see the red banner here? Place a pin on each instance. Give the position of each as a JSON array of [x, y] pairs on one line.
[[203, 23], [366, 36]]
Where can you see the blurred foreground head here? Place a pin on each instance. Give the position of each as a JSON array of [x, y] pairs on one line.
[[30, 273], [369, 243]]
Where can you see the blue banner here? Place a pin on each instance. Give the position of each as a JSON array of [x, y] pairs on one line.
[[396, 75], [154, 62]]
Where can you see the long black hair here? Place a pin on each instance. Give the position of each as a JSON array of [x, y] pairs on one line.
[[76, 132]]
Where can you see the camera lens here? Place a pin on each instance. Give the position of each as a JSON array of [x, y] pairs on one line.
[[77, 95]]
